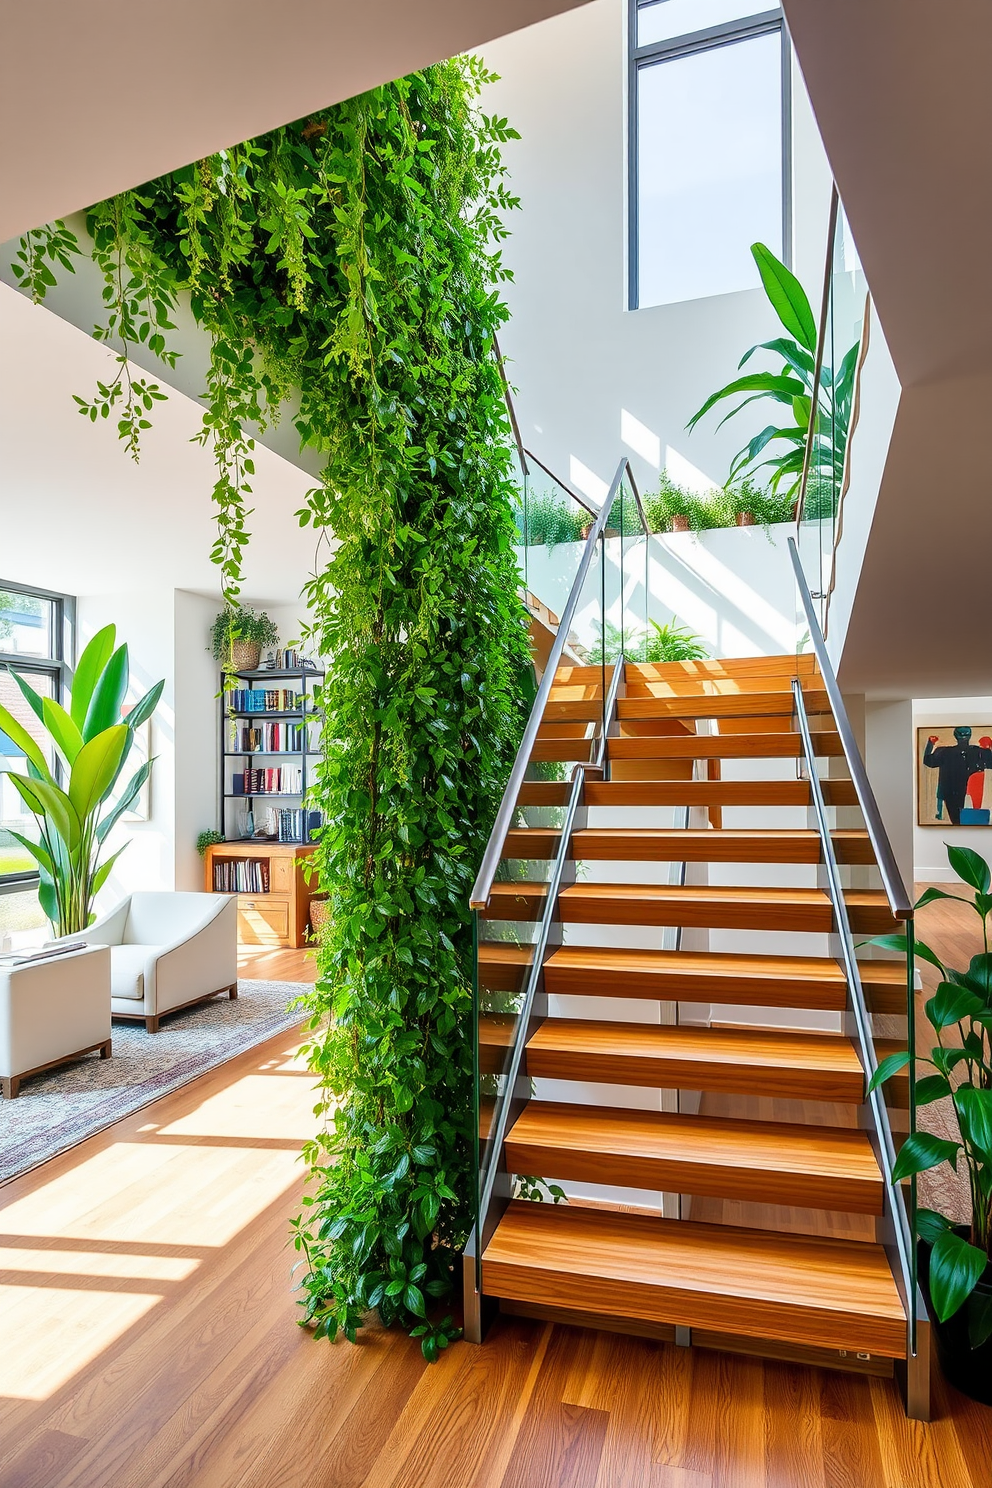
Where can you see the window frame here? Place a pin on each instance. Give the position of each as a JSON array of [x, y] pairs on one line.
[[59, 668], [729, 33]]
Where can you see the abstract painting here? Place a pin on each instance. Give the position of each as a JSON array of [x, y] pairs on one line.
[[954, 775]]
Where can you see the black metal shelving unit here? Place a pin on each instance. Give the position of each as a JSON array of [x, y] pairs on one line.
[[302, 680]]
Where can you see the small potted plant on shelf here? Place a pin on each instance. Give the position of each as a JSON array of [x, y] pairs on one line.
[[238, 635], [956, 1254], [673, 508], [744, 504], [209, 838]]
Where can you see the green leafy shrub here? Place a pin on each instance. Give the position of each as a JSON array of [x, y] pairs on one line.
[[745, 498], [673, 642], [672, 500], [209, 838], [237, 622], [550, 520], [960, 1014]]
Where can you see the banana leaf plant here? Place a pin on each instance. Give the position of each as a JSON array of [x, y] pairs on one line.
[[960, 1014], [794, 386], [91, 742]]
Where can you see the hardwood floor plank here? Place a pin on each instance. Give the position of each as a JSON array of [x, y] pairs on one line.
[[558, 1445], [793, 1426], [44, 1463]]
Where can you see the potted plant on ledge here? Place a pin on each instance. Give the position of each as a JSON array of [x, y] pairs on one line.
[[238, 636], [956, 1258]]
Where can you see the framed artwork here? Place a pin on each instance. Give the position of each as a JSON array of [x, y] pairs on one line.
[[954, 775]]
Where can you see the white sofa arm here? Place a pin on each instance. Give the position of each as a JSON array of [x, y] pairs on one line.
[[50, 1010], [204, 961], [107, 930]]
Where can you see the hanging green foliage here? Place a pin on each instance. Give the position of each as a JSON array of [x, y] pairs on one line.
[[354, 257]]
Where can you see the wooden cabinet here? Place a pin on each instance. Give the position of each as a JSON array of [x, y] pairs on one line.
[[275, 915]]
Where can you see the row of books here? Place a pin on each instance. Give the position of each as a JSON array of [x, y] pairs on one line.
[[266, 738], [296, 826], [265, 700], [241, 875], [278, 780], [288, 659]]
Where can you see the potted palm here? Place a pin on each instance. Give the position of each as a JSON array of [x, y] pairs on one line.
[[74, 803], [238, 635], [955, 1258]]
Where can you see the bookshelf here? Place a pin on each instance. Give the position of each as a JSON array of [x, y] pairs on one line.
[[268, 743]]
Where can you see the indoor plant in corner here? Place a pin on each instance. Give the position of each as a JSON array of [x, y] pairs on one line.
[[91, 742], [239, 635], [956, 1259]]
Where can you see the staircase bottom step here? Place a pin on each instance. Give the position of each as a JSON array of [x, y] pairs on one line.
[[725, 1343], [825, 1293]]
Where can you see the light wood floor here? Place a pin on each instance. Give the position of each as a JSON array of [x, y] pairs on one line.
[[147, 1340]]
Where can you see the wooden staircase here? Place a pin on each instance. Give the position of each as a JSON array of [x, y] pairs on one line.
[[755, 1110]]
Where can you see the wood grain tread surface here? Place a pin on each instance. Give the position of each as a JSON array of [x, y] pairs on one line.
[[784, 745], [707, 793], [698, 976], [711, 906], [751, 703], [769, 1162], [689, 845], [835, 1293], [806, 1066]]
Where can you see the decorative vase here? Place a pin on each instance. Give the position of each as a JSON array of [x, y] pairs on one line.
[[680, 524], [744, 519], [244, 656], [968, 1370]]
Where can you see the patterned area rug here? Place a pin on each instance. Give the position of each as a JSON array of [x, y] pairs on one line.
[[57, 1109]]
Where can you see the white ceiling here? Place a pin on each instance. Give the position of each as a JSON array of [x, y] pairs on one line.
[[98, 97], [900, 89]]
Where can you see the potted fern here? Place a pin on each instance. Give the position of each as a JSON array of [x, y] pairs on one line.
[[956, 1258], [238, 636]]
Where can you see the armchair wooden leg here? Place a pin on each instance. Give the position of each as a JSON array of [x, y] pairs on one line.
[[151, 1025], [232, 991], [10, 1084], [106, 1052]]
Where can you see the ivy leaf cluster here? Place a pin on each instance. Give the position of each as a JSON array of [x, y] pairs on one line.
[[353, 259]]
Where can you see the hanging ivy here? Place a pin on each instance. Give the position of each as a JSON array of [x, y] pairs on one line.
[[354, 257]]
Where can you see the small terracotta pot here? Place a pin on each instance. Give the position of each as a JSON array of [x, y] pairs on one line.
[[744, 519], [244, 656], [680, 524]]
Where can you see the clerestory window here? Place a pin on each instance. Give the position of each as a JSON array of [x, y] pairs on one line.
[[708, 145]]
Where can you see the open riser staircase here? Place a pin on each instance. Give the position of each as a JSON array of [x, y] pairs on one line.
[[667, 1026]]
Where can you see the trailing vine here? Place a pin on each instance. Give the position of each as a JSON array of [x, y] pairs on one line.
[[354, 257]]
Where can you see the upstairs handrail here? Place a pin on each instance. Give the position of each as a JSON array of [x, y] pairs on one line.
[[579, 500], [892, 880], [821, 341], [486, 876]]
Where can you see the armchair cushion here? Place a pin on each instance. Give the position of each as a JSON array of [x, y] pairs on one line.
[[127, 969]]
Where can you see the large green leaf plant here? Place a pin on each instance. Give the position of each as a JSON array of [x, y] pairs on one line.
[[960, 1014], [792, 385], [72, 802]]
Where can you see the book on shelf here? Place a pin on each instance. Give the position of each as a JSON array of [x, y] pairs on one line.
[[296, 826], [266, 700], [288, 659], [282, 737], [241, 875], [280, 780]]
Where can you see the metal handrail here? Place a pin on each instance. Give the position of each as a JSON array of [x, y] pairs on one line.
[[579, 772], [821, 341], [892, 880], [886, 1149], [579, 500], [482, 889]]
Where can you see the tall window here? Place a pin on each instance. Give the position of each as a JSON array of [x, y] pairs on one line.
[[35, 641], [709, 140]]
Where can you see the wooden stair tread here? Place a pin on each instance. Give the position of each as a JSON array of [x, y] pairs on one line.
[[721, 907], [804, 1066], [776, 703], [711, 793], [697, 976], [785, 745], [708, 668], [680, 844], [768, 1161], [836, 1293]]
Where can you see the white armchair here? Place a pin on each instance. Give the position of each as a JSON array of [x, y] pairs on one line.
[[53, 1011], [168, 951]]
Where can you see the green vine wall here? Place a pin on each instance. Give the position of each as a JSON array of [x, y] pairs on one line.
[[354, 257]]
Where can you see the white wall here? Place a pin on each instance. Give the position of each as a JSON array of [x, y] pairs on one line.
[[581, 360], [929, 843]]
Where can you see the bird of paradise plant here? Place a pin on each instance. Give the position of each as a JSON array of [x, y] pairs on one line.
[[91, 741], [795, 385]]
